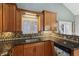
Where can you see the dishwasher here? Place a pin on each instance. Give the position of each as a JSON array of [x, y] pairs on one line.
[[60, 52]]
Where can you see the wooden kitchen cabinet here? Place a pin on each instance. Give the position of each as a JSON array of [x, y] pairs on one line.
[[12, 17], [48, 51], [0, 17], [74, 52], [29, 50], [53, 22], [40, 49], [49, 20], [17, 51], [33, 49], [18, 21], [7, 17], [9, 11]]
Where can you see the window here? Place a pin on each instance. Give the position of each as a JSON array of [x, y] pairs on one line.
[[65, 27], [29, 23]]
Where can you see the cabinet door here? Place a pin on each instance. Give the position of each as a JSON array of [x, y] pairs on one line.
[[48, 49], [29, 50], [18, 21], [53, 21], [0, 17], [12, 11], [9, 17], [40, 49], [17, 51], [74, 53], [47, 20], [5, 17]]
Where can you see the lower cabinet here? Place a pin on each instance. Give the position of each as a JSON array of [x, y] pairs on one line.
[[29, 50], [40, 49], [49, 48], [17, 51], [75, 52], [33, 49]]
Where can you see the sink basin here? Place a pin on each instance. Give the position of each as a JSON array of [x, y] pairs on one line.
[[65, 42], [31, 40]]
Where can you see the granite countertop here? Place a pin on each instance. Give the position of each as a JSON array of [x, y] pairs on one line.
[[59, 40], [63, 42], [53, 38], [68, 44]]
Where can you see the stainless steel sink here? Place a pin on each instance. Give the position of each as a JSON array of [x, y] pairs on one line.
[[65, 42], [31, 40]]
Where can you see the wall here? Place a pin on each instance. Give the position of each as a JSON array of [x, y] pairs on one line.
[[62, 12], [77, 25]]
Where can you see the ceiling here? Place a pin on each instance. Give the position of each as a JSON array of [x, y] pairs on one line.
[[73, 7]]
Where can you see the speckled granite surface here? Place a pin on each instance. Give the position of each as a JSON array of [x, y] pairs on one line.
[[10, 39]]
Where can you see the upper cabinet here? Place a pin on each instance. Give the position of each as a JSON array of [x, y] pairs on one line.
[[9, 12], [18, 20], [13, 19], [7, 17], [0, 17], [49, 20]]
